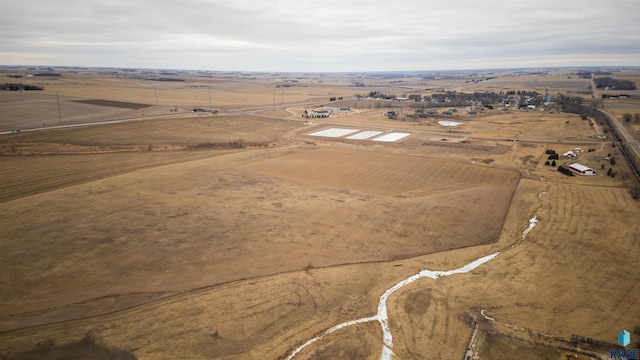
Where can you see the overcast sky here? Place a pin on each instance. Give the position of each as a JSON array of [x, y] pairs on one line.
[[319, 35]]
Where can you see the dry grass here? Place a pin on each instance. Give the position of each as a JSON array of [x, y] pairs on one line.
[[531, 125], [29, 175], [555, 83], [584, 238], [380, 173], [500, 347], [198, 210], [31, 110], [248, 254], [178, 131]]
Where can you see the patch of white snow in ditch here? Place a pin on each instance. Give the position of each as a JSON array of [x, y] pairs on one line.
[[383, 318]]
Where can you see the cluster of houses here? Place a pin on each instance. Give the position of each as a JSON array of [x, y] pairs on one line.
[[571, 154], [430, 113], [621, 96], [472, 110], [578, 168]]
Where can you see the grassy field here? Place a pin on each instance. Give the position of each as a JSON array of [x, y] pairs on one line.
[[360, 217], [198, 248], [558, 82], [186, 131], [30, 110], [31, 175]]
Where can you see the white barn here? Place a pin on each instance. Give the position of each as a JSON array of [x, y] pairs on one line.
[[581, 169], [316, 113]]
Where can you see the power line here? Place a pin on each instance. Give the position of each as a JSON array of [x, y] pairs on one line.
[[58, 103]]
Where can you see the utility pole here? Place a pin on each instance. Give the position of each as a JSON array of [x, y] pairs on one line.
[[58, 103], [274, 100], [209, 95], [155, 89]]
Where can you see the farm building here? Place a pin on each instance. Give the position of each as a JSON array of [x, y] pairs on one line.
[[337, 109], [581, 169], [569, 154], [316, 113]]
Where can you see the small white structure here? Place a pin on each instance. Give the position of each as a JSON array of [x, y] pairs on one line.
[[364, 135], [581, 169], [577, 150], [449, 123], [569, 154], [391, 137]]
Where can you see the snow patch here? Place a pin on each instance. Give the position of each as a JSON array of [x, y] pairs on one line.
[[382, 316], [485, 315], [329, 331], [532, 223]]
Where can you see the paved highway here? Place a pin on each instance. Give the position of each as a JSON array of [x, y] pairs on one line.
[[627, 138]]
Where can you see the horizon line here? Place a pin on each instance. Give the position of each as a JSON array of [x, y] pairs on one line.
[[563, 67]]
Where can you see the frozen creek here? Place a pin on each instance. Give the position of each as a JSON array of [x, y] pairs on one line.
[[383, 318]]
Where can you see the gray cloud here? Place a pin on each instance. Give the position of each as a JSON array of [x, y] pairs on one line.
[[314, 35]]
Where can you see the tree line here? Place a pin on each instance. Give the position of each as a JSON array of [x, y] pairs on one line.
[[448, 98], [587, 74], [628, 117], [615, 84], [574, 105], [19, 87]]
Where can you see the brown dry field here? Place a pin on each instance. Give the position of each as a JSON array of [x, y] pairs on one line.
[[555, 82], [199, 250], [191, 130]]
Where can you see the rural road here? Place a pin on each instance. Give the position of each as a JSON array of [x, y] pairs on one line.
[[93, 123], [245, 110], [628, 139], [253, 110]]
